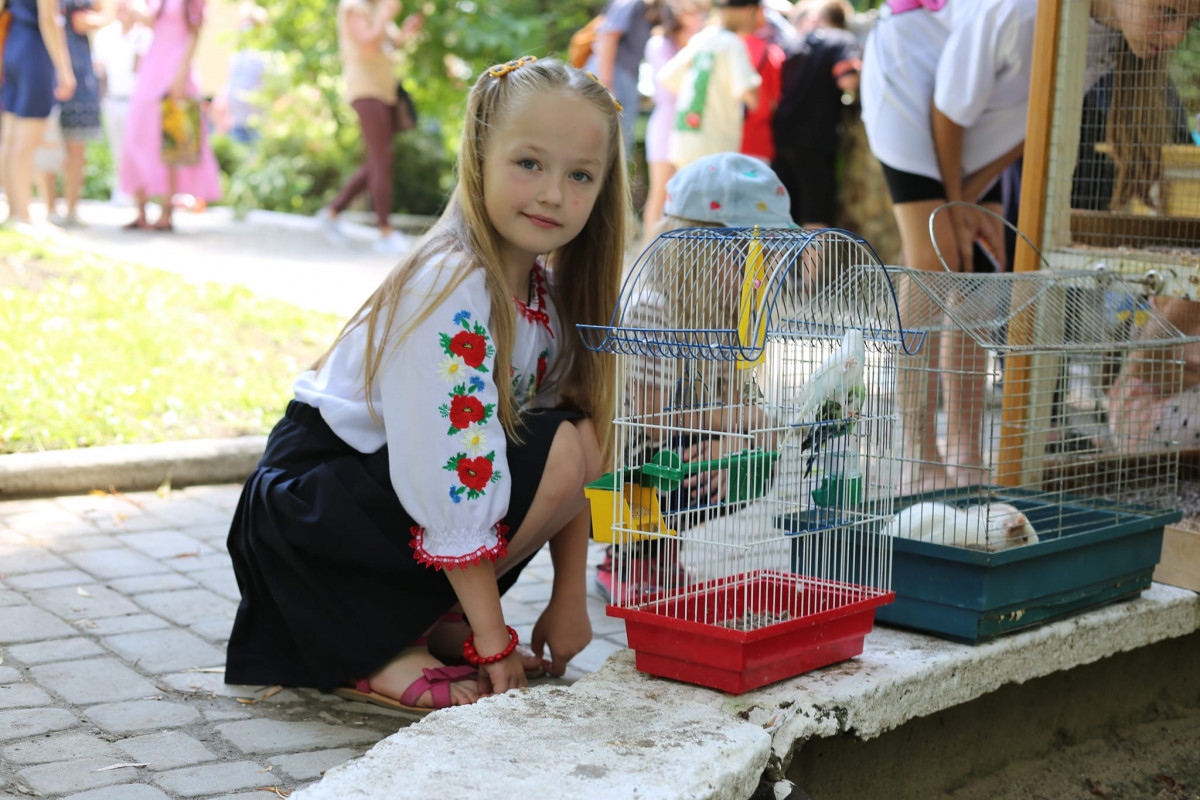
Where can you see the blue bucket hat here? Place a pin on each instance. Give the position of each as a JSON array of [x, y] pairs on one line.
[[729, 189]]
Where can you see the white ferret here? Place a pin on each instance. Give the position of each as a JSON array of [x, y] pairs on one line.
[[992, 526]]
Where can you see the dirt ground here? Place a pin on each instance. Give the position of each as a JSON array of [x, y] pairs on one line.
[[1157, 759]]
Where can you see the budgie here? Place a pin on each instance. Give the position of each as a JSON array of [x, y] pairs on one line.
[[839, 419], [835, 393]]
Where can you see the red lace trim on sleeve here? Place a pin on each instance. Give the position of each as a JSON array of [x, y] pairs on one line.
[[494, 553], [537, 313]]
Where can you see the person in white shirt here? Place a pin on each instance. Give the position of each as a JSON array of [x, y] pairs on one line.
[[714, 83], [448, 432], [945, 93], [115, 51]]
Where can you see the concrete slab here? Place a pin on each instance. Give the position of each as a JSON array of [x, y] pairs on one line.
[[594, 738]]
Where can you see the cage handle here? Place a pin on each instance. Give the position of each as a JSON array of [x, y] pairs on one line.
[[933, 238]]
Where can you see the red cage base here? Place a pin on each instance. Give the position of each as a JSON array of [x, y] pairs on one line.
[[687, 637]]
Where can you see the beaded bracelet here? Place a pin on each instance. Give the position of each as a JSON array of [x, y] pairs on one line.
[[475, 659]]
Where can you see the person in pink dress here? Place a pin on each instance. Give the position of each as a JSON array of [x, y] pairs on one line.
[[165, 71]]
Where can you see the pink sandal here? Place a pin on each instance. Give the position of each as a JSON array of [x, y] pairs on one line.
[[435, 680]]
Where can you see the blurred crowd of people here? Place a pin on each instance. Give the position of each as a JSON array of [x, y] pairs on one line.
[[766, 78], [75, 71]]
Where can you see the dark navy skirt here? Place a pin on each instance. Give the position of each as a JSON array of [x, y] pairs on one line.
[[321, 550]]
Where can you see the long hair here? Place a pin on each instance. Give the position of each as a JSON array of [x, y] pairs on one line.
[[1140, 121], [586, 271]]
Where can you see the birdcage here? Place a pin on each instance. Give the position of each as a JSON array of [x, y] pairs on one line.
[[1039, 457], [755, 381]]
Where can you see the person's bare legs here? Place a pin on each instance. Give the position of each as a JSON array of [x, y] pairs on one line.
[[167, 208], [49, 190], [20, 140], [955, 357], [139, 196], [73, 175], [918, 384]]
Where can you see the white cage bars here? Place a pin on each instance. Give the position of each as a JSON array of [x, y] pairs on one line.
[[1112, 166], [1056, 397], [746, 488]]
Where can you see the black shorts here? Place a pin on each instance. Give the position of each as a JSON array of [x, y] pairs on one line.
[[906, 187]]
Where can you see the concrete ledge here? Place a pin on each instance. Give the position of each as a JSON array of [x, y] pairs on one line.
[[619, 733], [129, 467]]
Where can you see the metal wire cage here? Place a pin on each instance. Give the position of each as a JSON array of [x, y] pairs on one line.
[[1058, 398], [1112, 168], [754, 430]]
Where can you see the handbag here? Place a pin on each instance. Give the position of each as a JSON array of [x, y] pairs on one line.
[[5, 24], [406, 112], [180, 132]]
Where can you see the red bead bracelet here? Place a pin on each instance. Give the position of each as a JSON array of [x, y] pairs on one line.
[[474, 658]]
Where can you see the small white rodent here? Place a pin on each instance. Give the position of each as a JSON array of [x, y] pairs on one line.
[[991, 526]]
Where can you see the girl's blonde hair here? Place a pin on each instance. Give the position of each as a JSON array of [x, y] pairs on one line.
[[586, 270], [1141, 120]]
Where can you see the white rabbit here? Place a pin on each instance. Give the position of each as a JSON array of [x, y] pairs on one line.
[[992, 526]]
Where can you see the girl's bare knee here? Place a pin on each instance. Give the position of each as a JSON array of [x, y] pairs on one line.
[[566, 467], [593, 467]]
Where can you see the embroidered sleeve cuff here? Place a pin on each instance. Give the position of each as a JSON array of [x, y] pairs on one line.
[[443, 555]]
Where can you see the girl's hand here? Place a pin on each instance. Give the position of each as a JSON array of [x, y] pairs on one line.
[[500, 676], [706, 487], [565, 627]]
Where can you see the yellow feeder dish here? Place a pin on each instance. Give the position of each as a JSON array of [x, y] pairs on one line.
[[640, 517]]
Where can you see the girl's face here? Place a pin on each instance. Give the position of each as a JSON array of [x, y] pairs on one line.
[[1152, 27], [542, 172]]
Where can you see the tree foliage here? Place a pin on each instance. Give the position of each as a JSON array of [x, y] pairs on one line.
[[310, 135]]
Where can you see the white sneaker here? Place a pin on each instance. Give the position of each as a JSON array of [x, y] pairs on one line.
[[330, 227], [395, 243]]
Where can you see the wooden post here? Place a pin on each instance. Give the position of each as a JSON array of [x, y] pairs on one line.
[[1018, 369]]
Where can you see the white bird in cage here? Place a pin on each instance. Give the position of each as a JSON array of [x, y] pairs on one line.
[[991, 526], [832, 398]]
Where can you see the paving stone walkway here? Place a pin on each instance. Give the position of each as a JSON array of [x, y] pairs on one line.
[[114, 613], [115, 608]]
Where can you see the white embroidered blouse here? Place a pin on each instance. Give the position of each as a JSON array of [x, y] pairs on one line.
[[436, 396]]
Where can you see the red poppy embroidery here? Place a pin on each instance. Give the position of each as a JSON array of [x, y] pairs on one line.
[[692, 120], [475, 472], [465, 409], [470, 347]]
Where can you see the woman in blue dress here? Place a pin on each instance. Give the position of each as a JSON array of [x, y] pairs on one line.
[[37, 71]]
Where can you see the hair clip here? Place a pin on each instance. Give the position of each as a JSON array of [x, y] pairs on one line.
[[500, 70], [616, 102]]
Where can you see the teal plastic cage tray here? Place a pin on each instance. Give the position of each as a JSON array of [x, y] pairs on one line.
[[1100, 556]]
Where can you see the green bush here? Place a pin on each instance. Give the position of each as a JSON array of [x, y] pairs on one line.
[[310, 144], [98, 171]]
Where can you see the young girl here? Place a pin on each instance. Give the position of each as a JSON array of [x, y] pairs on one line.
[[448, 432]]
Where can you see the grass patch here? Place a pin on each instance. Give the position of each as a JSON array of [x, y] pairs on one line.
[[97, 352]]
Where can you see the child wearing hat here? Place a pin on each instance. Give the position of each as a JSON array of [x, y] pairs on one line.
[[723, 190], [715, 82]]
